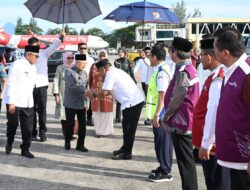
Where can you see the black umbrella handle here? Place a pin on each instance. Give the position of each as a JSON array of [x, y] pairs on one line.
[[63, 2]]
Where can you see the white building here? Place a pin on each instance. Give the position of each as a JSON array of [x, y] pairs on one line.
[[193, 29]]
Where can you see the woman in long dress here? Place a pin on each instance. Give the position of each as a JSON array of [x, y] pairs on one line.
[[102, 107], [59, 88]]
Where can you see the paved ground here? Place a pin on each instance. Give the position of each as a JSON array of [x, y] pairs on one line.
[[55, 168]]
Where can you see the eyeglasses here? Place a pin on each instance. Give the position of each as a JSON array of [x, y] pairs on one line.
[[81, 48], [70, 57]]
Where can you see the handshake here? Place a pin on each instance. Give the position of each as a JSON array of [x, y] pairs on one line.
[[90, 93]]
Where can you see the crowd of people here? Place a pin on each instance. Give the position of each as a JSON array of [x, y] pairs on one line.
[[214, 119]]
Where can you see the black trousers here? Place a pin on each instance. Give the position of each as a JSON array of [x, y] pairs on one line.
[[118, 111], [184, 154], [240, 180], [129, 125], [40, 104], [216, 176], [70, 119], [144, 88], [89, 112], [163, 149], [25, 115]]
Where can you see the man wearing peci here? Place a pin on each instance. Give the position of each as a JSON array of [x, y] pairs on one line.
[[18, 98], [41, 86], [122, 87], [76, 80], [180, 99], [83, 49]]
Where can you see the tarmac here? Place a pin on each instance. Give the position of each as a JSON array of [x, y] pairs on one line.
[[55, 168]]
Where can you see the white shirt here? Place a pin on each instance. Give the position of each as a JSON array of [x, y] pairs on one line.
[[20, 84], [41, 64], [150, 72], [228, 72], [122, 88], [142, 66], [208, 138], [171, 65], [202, 74], [163, 77]]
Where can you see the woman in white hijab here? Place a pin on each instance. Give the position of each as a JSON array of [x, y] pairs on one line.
[[102, 107]]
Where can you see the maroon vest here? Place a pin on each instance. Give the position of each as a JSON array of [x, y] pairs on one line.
[[233, 120], [183, 118], [200, 110]]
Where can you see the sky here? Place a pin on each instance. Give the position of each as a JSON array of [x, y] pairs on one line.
[[12, 9]]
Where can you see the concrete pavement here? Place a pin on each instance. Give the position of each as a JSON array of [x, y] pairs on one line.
[[55, 168]]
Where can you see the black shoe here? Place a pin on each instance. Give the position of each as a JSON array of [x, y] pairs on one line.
[[148, 122], [27, 154], [34, 138], [100, 136], [122, 156], [117, 120], [8, 148], [90, 122], [43, 138], [157, 170], [67, 146], [82, 149], [116, 152], [160, 177]]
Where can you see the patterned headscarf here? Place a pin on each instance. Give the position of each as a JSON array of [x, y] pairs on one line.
[[65, 61], [103, 51]]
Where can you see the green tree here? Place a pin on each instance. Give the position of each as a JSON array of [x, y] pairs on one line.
[[95, 32], [66, 29], [22, 28], [54, 31], [19, 24], [195, 14], [34, 27], [72, 31], [82, 32], [180, 10], [125, 35]]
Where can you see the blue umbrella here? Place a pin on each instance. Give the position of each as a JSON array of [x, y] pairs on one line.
[[144, 12]]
